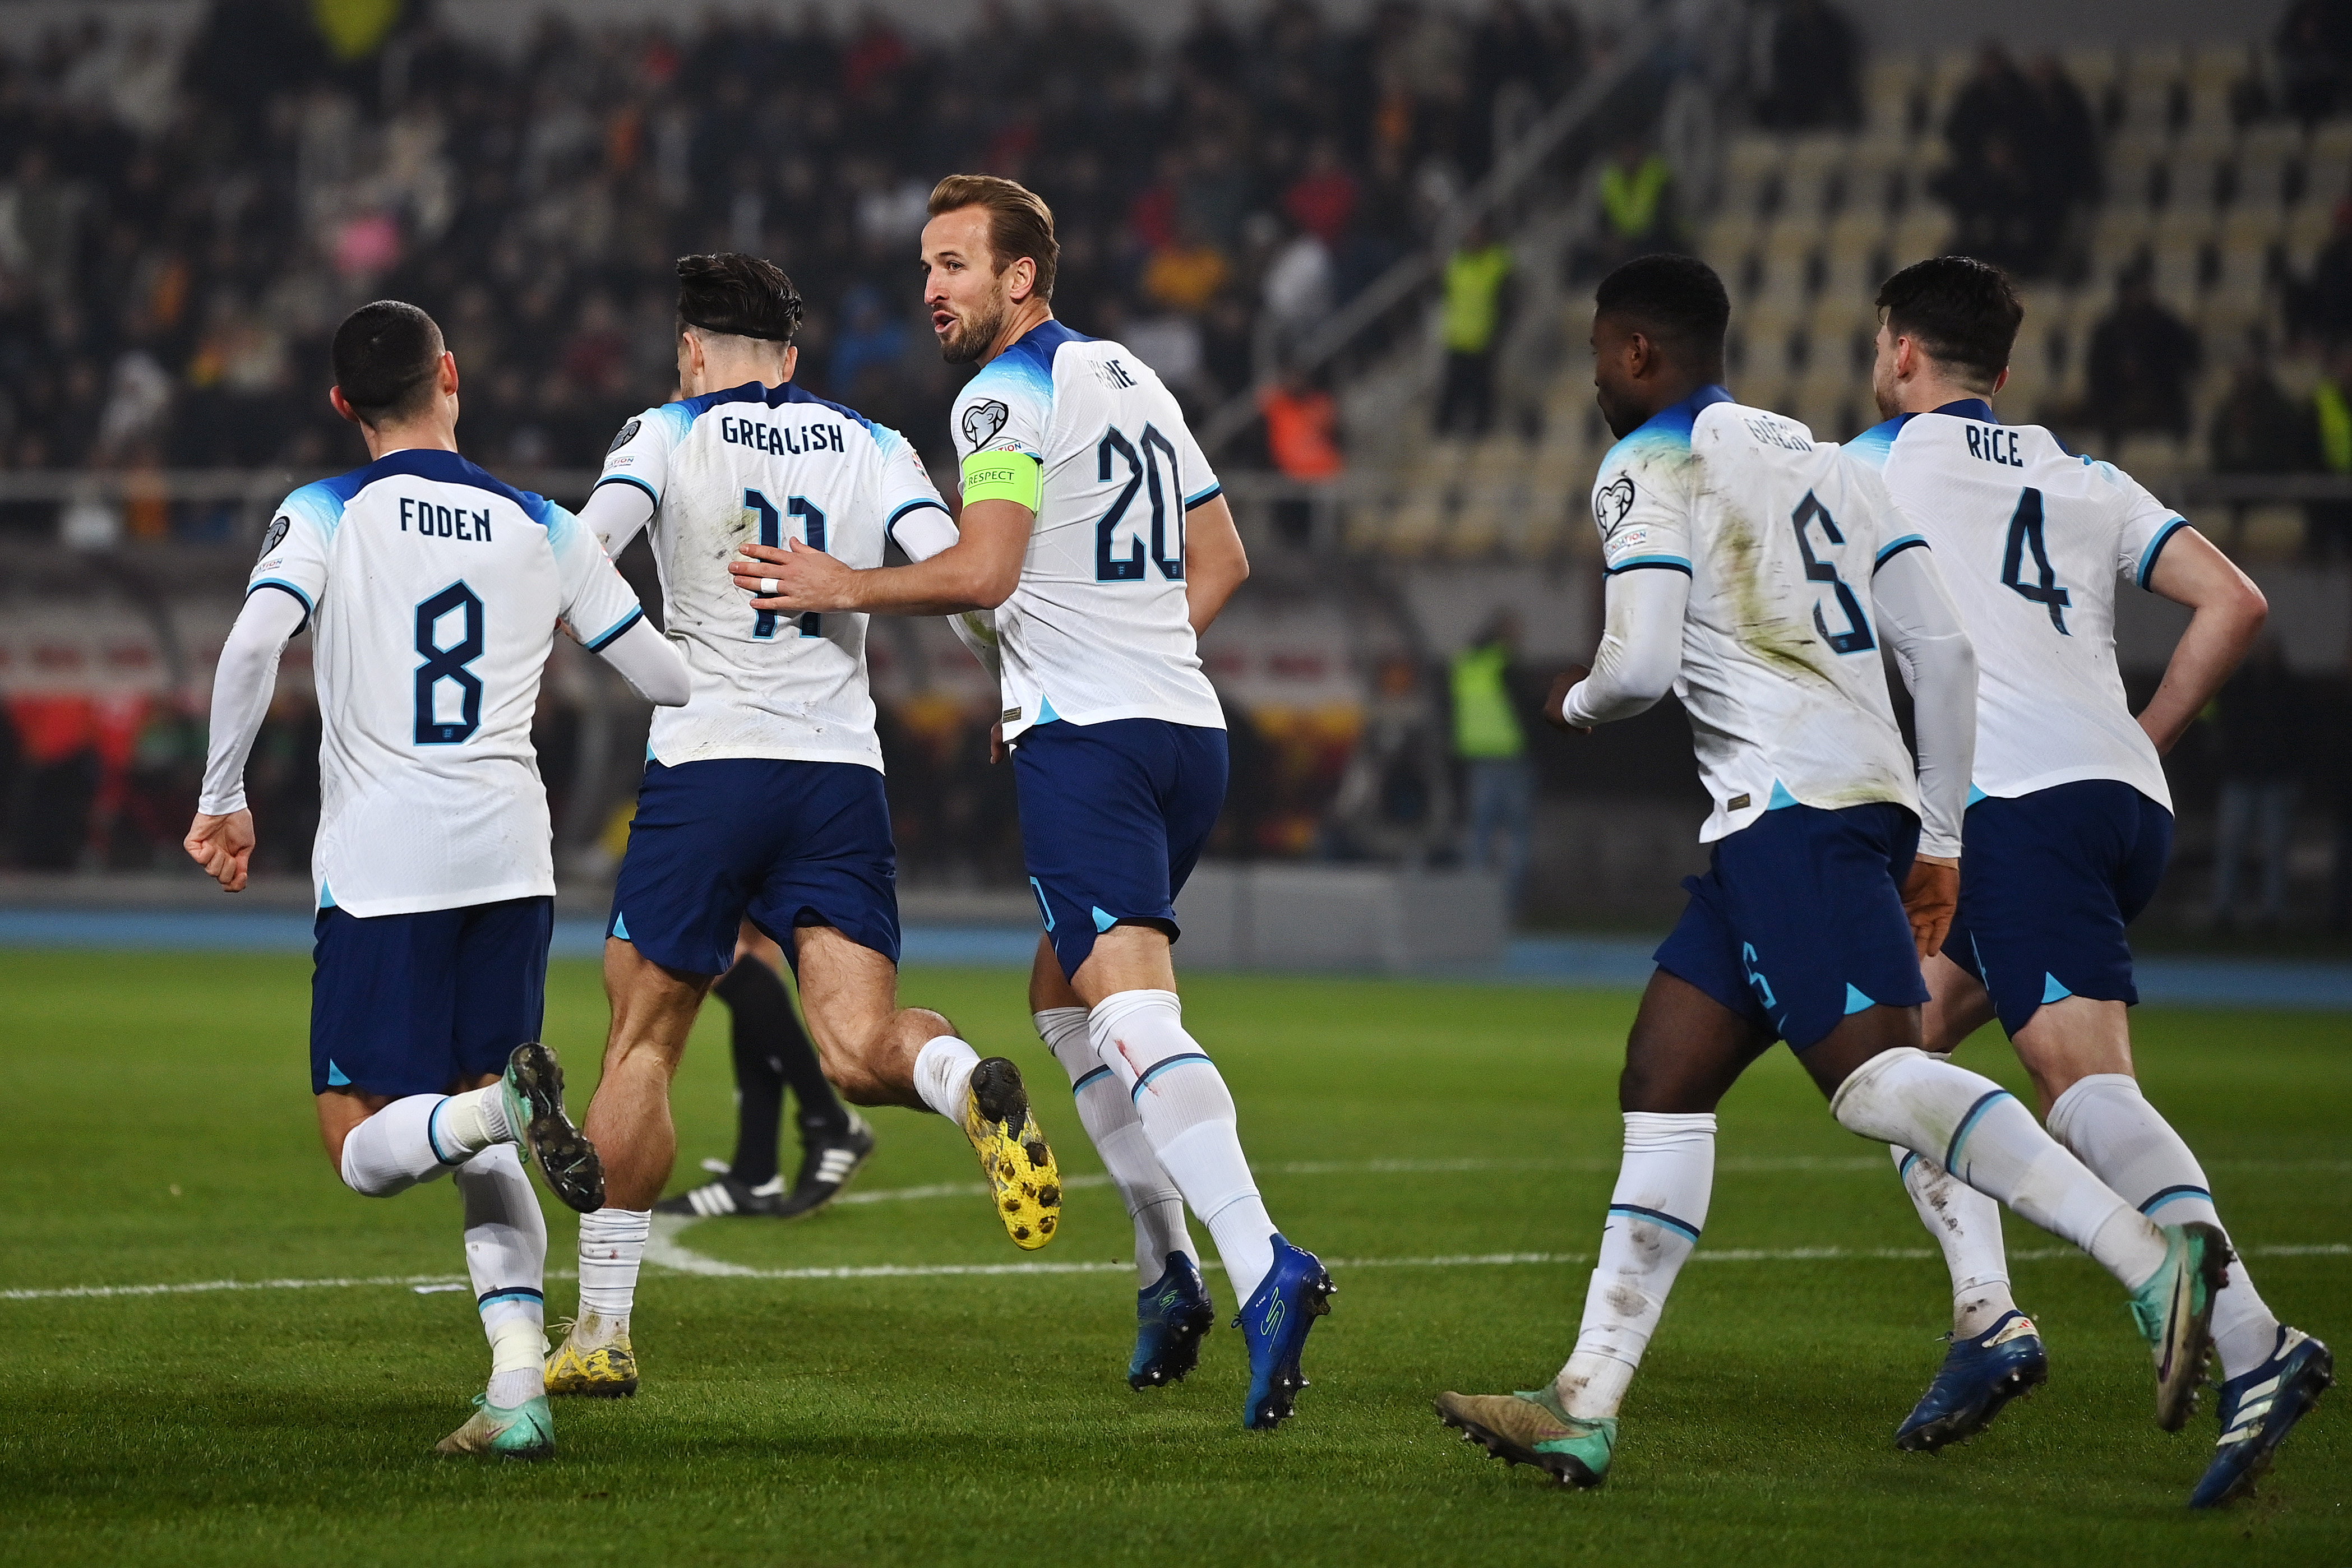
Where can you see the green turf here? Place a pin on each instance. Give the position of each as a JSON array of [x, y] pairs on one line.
[[157, 1128]]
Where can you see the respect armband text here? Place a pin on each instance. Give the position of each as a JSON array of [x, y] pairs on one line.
[[1004, 477]]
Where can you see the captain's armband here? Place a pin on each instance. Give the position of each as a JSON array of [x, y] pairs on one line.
[[1000, 475]]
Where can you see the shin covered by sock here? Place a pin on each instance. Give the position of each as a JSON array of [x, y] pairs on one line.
[[612, 1247], [943, 1075], [1188, 1117], [505, 1254], [1976, 1129], [2112, 1128], [754, 996], [1109, 1119], [416, 1139], [1655, 1214], [1967, 1225]]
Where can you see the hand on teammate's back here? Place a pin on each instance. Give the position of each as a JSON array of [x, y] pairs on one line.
[[1931, 895], [1555, 710], [806, 578], [223, 846]]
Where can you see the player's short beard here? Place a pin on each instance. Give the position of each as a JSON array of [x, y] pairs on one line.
[[972, 341]]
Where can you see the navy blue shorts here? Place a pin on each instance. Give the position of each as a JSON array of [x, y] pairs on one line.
[[1113, 816], [1798, 921], [415, 1004], [2047, 886], [786, 843]]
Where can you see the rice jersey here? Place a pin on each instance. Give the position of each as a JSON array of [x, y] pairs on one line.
[[433, 592], [2032, 541], [755, 464], [1098, 628], [1780, 536]]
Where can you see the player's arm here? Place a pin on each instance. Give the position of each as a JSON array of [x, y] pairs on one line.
[[2227, 612], [645, 659], [979, 571], [1641, 650], [601, 612], [1216, 564], [221, 838], [1923, 627], [616, 513]]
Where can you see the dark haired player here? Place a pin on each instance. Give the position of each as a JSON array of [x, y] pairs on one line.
[[435, 591], [2067, 832], [1094, 529], [762, 795], [1755, 572]]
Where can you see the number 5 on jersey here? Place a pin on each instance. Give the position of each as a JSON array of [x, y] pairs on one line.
[[763, 621]]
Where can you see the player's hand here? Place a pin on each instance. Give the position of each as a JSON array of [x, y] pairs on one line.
[[1931, 895], [1555, 710], [794, 577], [223, 846], [995, 744]]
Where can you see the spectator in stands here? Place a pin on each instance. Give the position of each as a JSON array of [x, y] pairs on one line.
[[1302, 426], [1492, 744], [2001, 210], [1476, 306], [1634, 211], [2025, 162], [1816, 63], [1396, 800], [2315, 52], [1996, 99], [2329, 528], [2257, 428], [2261, 715], [2321, 308], [2141, 360]]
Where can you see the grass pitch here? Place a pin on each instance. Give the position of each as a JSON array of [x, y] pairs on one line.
[[158, 1129]]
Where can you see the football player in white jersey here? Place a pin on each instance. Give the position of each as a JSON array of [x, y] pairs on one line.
[[2067, 832], [433, 590], [1755, 572], [1093, 528], [762, 795]]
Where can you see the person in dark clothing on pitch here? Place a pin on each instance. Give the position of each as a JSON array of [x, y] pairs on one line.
[[771, 1051]]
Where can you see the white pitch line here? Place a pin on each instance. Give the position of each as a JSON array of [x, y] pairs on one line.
[[711, 1267]]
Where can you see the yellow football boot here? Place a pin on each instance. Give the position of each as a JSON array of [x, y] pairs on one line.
[[1021, 1175], [607, 1370]]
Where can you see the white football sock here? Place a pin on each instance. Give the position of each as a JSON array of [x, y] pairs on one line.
[[1186, 1114], [505, 1254], [1655, 1213], [943, 1075], [1967, 1225], [1109, 1119], [612, 1246], [394, 1150], [2111, 1128], [1976, 1129]]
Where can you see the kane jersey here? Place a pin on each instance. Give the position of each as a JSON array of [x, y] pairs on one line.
[[433, 590], [1780, 536], [2032, 541], [757, 464], [1098, 628]]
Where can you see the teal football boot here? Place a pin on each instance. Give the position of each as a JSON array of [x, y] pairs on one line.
[[2174, 1311], [526, 1432], [1532, 1427]]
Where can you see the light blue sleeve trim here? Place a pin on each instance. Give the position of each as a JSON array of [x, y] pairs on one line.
[[562, 528], [916, 505], [2155, 548], [1908, 541], [279, 583], [597, 644], [1204, 498], [630, 479], [1634, 563]]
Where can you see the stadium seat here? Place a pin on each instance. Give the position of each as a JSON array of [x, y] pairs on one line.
[[1890, 85]]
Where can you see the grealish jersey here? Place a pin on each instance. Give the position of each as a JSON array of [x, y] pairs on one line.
[[757, 464], [2032, 541], [1780, 536], [1098, 628], [433, 591]]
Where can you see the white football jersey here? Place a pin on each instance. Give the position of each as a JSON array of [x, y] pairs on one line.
[[2032, 541], [1098, 628], [433, 590], [756, 464], [1781, 670]]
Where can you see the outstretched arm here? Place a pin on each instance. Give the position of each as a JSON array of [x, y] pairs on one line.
[[1641, 650], [979, 571], [221, 838], [2229, 613]]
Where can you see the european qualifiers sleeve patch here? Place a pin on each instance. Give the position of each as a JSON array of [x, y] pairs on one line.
[[278, 526], [982, 421], [1611, 503], [628, 434]]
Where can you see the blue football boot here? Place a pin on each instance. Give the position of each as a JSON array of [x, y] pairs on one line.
[[1274, 1324], [2258, 1410], [1170, 1319], [1979, 1377]]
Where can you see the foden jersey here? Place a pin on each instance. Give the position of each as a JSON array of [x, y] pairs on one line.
[[1097, 627], [758, 464], [1781, 535], [433, 591], [2032, 541]]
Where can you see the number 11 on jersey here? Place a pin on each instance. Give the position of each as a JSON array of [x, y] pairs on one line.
[[763, 621]]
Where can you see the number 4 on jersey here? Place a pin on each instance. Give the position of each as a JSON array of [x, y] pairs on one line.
[[2025, 533]]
